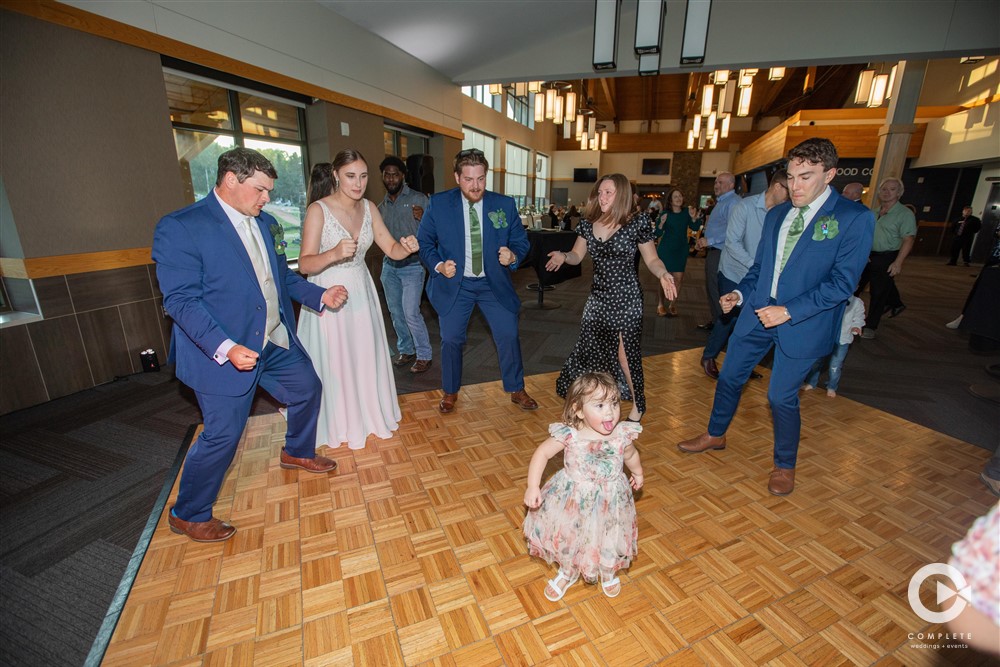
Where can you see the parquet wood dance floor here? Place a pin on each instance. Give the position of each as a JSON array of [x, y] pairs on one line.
[[412, 553]]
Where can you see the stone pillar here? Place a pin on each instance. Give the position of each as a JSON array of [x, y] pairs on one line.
[[894, 136]]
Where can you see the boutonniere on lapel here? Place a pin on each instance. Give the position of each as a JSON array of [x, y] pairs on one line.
[[498, 218], [279, 239], [825, 228]]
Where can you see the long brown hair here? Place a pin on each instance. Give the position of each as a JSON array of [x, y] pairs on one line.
[[582, 388], [670, 200], [621, 208]]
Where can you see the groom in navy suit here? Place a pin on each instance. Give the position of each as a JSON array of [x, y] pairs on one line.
[[471, 241], [811, 254], [221, 267]]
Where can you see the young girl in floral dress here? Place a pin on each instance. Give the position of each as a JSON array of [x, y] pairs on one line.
[[584, 517]]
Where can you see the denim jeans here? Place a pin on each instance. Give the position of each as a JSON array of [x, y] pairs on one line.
[[836, 367], [403, 289]]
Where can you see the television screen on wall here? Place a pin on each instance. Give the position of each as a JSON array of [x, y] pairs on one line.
[[656, 166], [584, 175]]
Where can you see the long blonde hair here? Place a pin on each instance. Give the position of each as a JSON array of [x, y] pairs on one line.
[[585, 386], [621, 208]]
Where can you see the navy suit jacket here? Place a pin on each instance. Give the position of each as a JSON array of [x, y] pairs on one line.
[[442, 237], [211, 292], [818, 278]]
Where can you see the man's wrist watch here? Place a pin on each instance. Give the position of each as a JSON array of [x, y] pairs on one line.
[[788, 314]]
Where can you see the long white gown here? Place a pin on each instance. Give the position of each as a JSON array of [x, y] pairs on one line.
[[349, 349]]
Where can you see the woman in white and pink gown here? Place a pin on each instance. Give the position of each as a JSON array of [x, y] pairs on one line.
[[348, 346]]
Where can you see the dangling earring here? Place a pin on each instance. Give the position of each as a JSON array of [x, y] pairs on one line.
[[336, 183]]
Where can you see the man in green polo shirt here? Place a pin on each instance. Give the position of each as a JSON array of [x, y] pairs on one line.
[[895, 231]]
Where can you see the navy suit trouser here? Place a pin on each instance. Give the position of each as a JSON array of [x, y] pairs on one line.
[[289, 377], [787, 375], [724, 323], [503, 326]]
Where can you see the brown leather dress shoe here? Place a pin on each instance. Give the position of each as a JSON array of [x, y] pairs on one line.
[[404, 359], [782, 481], [524, 401], [447, 403], [420, 366], [702, 443], [213, 530], [318, 464], [710, 368]]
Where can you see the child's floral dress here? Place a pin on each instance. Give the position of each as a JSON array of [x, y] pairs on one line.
[[587, 517]]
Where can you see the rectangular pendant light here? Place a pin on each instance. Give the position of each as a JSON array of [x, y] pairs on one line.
[[892, 82], [864, 86], [496, 89], [720, 76], [539, 108], [714, 141], [776, 74], [697, 125], [567, 130], [592, 125], [534, 86], [707, 92], [690, 144], [727, 96], [877, 96], [521, 88], [649, 64], [648, 26], [605, 34], [583, 141], [569, 112], [550, 103], [743, 109], [725, 126], [604, 140], [710, 127], [695, 38], [579, 126], [557, 114]]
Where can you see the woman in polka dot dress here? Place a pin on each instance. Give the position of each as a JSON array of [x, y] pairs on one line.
[[611, 328]]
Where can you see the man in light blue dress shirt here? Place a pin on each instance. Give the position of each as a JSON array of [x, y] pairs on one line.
[[746, 221], [714, 240]]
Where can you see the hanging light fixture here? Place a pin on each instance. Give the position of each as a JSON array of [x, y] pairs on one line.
[[707, 92], [557, 114], [550, 103], [604, 140], [583, 141], [714, 141], [776, 74], [570, 111], [534, 86], [697, 125], [727, 95], [567, 129], [746, 77], [720, 77], [695, 38], [605, 34], [496, 89], [743, 108], [710, 126], [877, 95], [725, 127], [521, 89], [892, 81], [592, 125], [690, 144], [539, 108], [864, 85], [579, 125]]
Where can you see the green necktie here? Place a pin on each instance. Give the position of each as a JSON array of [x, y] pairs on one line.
[[476, 236], [794, 232]]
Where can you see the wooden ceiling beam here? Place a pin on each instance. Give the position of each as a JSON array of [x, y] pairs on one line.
[[608, 85]]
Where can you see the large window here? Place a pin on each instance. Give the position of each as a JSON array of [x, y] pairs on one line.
[[403, 143], [521, 109], [209, 118], [485, 143], [517, 173], [482, 95], [541, 180]]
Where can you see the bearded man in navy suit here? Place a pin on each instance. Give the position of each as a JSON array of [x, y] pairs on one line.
[[471, 241], [811, 254], [221, 266]]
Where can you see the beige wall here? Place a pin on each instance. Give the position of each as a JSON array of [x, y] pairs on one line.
[[88, 159]]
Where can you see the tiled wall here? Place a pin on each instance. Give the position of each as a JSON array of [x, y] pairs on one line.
[[95, 324]]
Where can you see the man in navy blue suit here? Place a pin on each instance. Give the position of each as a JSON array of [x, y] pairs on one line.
[[220, 263], [811, 254], [471, 241]]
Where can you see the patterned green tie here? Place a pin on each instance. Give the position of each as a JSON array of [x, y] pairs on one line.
[[794, 232], [476, 236]]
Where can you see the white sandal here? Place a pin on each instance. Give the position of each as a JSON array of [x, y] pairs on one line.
[[606, 585], [553, 583]]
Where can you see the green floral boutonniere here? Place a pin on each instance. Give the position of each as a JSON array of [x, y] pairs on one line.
[[825, 228], [279, 239], [498, 218]]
